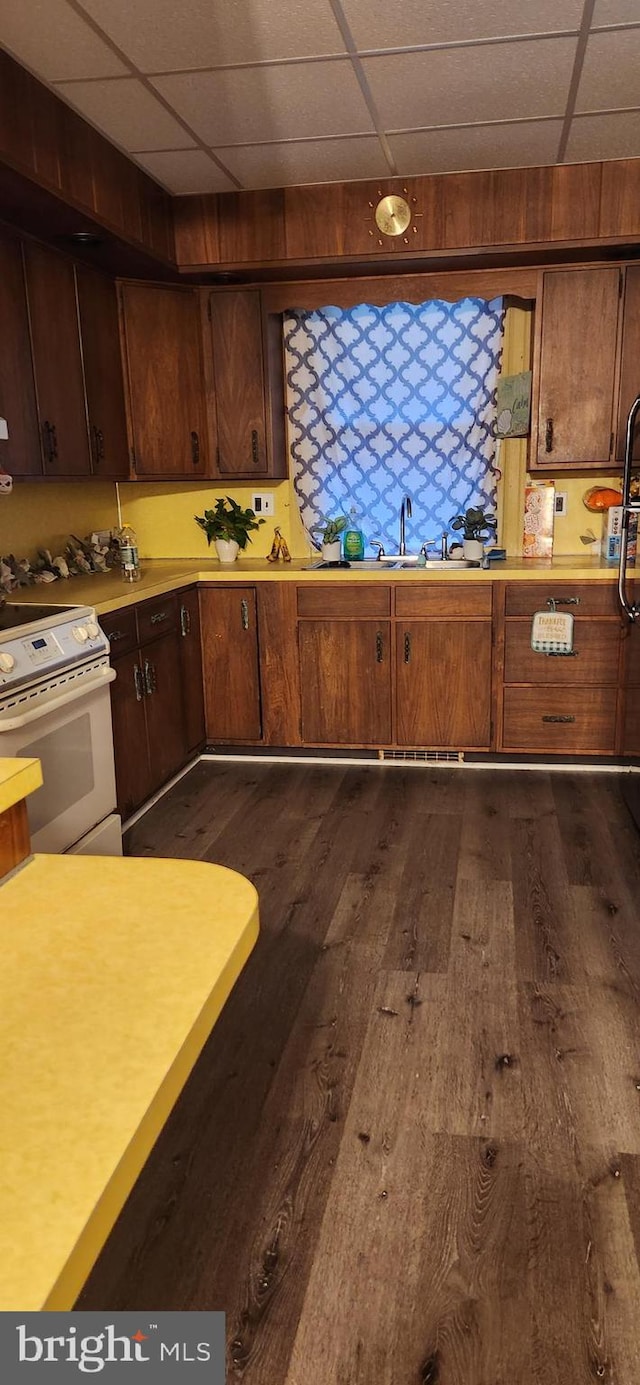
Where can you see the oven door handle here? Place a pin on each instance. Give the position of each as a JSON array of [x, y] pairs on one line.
[[14, 723]]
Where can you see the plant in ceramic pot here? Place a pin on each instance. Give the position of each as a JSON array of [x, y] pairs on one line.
[[229, 526], [475, 523], [329, 533]]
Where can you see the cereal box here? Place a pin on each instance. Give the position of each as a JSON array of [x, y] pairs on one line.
[[539, 502], [613, 533]]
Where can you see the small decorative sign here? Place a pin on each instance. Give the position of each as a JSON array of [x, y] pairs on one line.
[[513, 405], [552, 632]]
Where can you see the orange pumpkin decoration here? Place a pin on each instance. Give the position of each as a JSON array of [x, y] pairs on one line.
[[601, 498]]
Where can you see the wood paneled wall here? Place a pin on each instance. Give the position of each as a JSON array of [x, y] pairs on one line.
[[43, 139], [576, 204]]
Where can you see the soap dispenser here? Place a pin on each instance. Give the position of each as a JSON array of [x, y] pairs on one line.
[[353, 540]]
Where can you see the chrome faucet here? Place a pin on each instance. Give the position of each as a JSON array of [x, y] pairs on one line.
[[406, 502]]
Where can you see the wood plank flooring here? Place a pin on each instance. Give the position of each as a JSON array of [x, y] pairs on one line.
[[410, 1151]]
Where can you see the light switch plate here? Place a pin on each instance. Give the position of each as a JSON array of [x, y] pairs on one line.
[[4, 430], [263, 503], [561, 503]]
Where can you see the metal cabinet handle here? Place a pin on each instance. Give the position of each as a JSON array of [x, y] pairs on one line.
[[379, 647], [195, 448], [548, 436], [560, 720], [150, 678], [554, 601], [185, 621], [255, 450], [159, 616], [407, 648], [116, 635], [100, 444], [137, 682], [244, 614], [50, 446]]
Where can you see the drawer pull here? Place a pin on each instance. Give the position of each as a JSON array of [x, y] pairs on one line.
[[137, 682], [560, 720], [244, 614], [379, 647], [562, 654], [117, 635], [150, 678], [185, 621], [159, 616], [554, 601], [407, 648], [548, 436]]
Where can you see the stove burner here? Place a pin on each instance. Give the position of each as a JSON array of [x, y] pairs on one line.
[[14, 614]]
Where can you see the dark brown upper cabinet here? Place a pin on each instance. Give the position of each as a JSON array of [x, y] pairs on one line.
[[630, 361], [20, 454], [57, 362], [247, 386], [164, 379], [575, 367], [98, 309]]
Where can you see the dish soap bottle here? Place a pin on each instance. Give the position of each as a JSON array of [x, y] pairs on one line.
[[129, 554], [353, 541]]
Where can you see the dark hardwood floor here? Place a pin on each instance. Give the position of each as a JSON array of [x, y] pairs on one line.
[[410, 1151]]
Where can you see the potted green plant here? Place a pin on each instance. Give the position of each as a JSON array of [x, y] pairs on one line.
[[329, 532], [474, 523], [229, 526]]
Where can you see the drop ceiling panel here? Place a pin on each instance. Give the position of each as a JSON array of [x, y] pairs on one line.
[[185, 171], [127, 113], [317, 161], [415, 23], [477, 146], [616, 12], [610, 136], [163, 36], [512, 81], [243, 106], [49, 37], [611, 71]]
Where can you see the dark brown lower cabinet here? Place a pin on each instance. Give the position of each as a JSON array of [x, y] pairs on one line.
[[191, 670], [230, 665], [443, 681], [163, 707], [130, 740], [345, 682]]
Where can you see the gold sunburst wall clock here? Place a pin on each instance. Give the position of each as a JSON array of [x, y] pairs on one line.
[[395, 217]]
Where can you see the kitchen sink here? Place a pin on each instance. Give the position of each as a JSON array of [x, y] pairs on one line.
[[434, 564], [393, 563]]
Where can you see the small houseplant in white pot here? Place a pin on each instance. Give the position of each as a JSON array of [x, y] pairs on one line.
[[229, 526], [329, 532], [475, 523]]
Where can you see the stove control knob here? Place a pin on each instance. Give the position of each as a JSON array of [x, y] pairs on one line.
[[7, 662], [80, 633], [92, 629]]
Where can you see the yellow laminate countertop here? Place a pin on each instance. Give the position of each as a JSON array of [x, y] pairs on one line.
[[107, 592], [17, 779], [114, 971]]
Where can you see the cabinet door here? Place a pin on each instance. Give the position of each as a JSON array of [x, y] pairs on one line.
[[630, 363], [165, 380], [98, 308], [345, 682], [191, 669], [57, 359], [133, 776], [20, 454], [444, 684], [164, 709], [577, 368], [230, 663], [239, 385]]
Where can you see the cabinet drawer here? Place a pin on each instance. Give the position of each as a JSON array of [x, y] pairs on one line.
[[157, 617], [595, 659], [453, 599], [121, 630], [564, 721], [594, 598], [355, 601]]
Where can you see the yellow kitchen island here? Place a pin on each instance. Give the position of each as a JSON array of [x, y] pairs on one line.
[[114, 971]]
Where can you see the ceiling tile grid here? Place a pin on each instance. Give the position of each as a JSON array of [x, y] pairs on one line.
[[209, 96]]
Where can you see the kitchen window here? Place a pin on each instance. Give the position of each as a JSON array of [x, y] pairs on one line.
[[383, 401]]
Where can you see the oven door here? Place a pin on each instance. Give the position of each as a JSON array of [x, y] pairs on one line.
[[74, 743]]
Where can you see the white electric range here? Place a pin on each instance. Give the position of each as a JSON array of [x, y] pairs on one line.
[[55, 706]]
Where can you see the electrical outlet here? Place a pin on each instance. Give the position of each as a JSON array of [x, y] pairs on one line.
[[561, 503], [263, 503]]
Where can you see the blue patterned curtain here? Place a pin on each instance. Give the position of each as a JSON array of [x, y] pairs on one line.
[[389, 401]]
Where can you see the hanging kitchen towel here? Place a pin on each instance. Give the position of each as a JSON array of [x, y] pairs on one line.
[[552, 632]]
